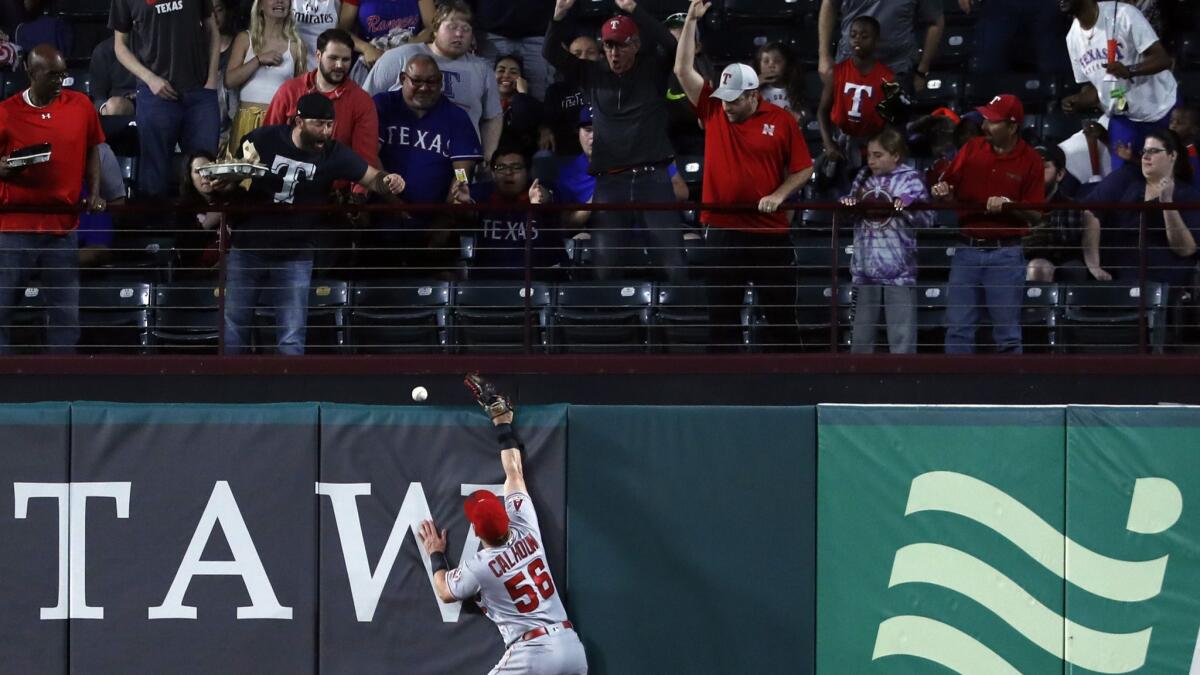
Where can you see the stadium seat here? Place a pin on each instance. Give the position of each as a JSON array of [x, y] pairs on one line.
[[935, 252], [115, 318], [954, 48], [1189, 86], [491, 317], [944, 88], [327, 324], [764, 9], [14, 82], [84, 8], [186, 318], [931, 318], [683, 319], [80, 80], [1188, 51], [599, 317], [142, 257], [1034, 90], [814, 310], [661, 9], [27, 332], [1059, 126], [594, 9], [393, 317], [691, 168], [738, 43], [1039, 318], [1103, 317]]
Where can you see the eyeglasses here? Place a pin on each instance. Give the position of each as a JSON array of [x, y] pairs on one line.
[[1150, 152], [431, 83], [609, 44], [508, 168]]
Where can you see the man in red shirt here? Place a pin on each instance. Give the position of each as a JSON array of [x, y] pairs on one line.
[[989, 267], [46, 113], [753, 153], [849, 98]]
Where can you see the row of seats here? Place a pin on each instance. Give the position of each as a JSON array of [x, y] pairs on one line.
[[636, 316]]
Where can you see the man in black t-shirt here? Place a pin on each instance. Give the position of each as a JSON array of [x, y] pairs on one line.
[[273, 251]]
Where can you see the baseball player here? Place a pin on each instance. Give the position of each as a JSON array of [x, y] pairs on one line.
[[509, 577]]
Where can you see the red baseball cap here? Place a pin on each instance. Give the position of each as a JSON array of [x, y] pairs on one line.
[[486, 513], [1003, 108], [620, 29]]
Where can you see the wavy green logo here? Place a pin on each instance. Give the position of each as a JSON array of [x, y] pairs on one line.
[[1155, 506]]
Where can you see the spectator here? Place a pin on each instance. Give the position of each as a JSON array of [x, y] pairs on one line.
[[781, 79], [43, 27], [46, 113], [1001, 26], [425, 136], [850, 97], [1053, 245], [564, 100], [518, 27], [10, 54], [1134, 87], [897, 46], [884, 264], [754, 153], [226, 100], [197, 232], [470, 81], [272, 251], [632, 150], [96, 230], [176, 64], [313, 18], [1185, 122], [500, 237], [1170, 236], [357, 124], [687, 135], [266, 57], [114, 88], [522, 113], [380, 25], [988, 269]]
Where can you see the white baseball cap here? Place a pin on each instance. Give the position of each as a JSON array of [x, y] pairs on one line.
[[736, 79]]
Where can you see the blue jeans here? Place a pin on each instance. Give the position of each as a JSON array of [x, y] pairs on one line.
[[57, 256], [1122, 130], [285, 282], [193, 121], [1005, 27], [985, 277], [612, 231]]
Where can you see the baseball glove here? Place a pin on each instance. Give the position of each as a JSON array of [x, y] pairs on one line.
[[484, 393], [895, 106]]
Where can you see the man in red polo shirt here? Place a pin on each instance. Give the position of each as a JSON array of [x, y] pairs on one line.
[[46, 113], [753, 153], [989, 267]]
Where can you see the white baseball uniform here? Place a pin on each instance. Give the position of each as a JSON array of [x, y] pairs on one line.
[[513, 586]]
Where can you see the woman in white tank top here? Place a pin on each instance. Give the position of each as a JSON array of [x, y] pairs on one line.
[[268, 54]]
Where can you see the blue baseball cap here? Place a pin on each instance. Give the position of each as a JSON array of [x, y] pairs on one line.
[[585, 116]]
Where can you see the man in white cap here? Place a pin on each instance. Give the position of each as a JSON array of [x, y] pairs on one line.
[[632, 152], [753, 153]]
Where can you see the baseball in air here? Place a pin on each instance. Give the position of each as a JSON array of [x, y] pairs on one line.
[[420, 394]]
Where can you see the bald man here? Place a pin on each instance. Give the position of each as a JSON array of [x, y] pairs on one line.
[[66, 120]]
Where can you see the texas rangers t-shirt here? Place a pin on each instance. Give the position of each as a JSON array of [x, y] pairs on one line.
[[512, 584], [468, 81], [71, 127], [424, 149], [855, 95], [387, 23], [297, 177], [1149, 98]]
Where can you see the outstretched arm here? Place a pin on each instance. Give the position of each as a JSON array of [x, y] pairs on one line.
[[510, 457], [685, 53]]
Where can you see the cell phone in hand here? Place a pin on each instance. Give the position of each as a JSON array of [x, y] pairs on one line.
[[460, 175]]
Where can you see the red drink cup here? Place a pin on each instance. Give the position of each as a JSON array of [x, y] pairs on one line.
[[1112, 50]]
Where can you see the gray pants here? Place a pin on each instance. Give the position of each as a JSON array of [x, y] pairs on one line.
[[901, 309], [559, 653]]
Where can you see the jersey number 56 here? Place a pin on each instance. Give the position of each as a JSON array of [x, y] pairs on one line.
[[525, 595]]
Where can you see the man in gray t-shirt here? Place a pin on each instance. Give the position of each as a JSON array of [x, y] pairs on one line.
[[897, 46], [175, 56], [468, 80]]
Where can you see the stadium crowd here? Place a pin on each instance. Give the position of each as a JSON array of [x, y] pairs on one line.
[[878, 104]]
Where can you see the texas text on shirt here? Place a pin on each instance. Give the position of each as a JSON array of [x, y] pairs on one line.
[[519, 565]]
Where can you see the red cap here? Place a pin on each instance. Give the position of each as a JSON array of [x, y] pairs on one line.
[[620, 29], [1003, 108], [486, 513], [947, 113]]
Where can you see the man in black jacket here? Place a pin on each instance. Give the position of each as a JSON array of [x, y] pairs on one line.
[[632, 150]]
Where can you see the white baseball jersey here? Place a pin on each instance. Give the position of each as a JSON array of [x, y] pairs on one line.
[[512, 582]]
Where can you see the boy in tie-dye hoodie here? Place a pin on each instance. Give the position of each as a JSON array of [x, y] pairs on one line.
[[884, 265]]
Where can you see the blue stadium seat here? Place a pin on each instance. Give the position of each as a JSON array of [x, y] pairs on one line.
[[490, 317], [599, 317], [400, 317], [954, 48], [944, 88], [115, 318]]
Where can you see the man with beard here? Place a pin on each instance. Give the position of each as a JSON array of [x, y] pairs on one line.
[[988, 269], [45, 113], [632, 149], [753, 152], [272, 251], [469, 81], [424, 136], [1134, 86]]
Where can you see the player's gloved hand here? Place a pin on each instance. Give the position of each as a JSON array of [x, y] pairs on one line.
[[496, 405]]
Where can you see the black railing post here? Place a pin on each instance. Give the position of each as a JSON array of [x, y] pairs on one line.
[[834, 246], [1142, 322]]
